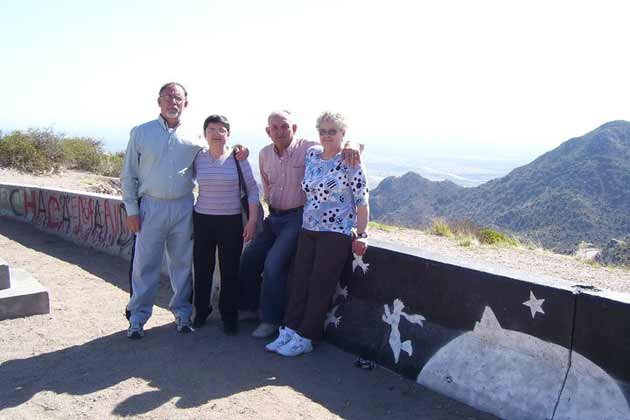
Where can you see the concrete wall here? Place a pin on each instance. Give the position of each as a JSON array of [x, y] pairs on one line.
[[519, 346], [94, 220]]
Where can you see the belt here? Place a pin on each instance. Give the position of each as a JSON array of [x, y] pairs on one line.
[[277, 212]]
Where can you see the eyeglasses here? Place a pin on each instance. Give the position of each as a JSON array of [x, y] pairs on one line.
[[220, 130], [177, 99], [331, 132]]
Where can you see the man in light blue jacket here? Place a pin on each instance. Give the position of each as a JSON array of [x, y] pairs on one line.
[[157, 188]]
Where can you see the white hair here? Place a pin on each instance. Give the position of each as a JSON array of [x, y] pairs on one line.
[[334, 117], [282, 113]]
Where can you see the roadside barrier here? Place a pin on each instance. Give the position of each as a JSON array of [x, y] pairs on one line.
[[516, 345]]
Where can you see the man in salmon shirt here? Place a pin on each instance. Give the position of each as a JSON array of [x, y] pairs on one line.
[[265, 262]]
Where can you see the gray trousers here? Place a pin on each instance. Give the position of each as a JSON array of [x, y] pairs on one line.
[[166, 225]]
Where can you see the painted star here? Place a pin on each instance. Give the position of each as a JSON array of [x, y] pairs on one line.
[[535, 305]]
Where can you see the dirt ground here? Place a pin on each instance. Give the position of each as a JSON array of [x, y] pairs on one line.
[[76, 362]]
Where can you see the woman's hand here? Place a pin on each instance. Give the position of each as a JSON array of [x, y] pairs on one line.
[[359, 246], [249, 230]]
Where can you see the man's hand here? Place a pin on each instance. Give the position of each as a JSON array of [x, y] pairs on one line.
[[351, 153], [133, 223], [242, 152]]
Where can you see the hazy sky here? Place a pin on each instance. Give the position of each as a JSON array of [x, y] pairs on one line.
[[526, 75]]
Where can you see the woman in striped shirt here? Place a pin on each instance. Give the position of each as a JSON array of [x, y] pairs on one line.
[[218, 223]]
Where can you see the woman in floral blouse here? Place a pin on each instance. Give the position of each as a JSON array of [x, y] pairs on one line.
[[336, 203]]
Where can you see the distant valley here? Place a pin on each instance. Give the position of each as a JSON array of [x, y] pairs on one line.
[[464, 169], [580, 191]]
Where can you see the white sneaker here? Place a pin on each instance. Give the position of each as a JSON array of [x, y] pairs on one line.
[[284, 336], [298, 345], [264, 330], [248, 315]]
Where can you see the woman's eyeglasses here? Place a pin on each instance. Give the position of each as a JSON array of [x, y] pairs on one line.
[[221, 130], [330, 132]]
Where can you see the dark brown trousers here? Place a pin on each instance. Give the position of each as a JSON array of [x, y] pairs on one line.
[[319, 262]]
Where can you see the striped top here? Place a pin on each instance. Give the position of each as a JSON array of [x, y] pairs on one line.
[[218, 184]]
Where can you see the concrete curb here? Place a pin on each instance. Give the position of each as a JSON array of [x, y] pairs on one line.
[[26, 297], [5, 275]]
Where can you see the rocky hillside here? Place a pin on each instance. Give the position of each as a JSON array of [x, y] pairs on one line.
[[579, 191]]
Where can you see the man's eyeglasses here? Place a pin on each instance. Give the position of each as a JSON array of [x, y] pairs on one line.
[[331, 132], [177, 99], [220, 130]]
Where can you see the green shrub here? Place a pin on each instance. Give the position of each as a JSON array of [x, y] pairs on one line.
[[111, 164], [43, 151], [16, 151], [492, 237], [466, 240], [592, 263], [464, 227], [32, 151], [439, 227], [83, 153], [49, 143]]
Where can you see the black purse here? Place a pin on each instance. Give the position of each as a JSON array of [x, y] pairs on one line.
[[245, 201]]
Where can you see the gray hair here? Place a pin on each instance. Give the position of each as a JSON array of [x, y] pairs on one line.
[[334, 117], [283, 113], [163, 88]]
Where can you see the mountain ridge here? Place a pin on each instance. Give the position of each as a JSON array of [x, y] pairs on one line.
[[579, 191]]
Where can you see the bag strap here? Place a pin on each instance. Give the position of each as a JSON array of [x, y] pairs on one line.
[[241, 180]]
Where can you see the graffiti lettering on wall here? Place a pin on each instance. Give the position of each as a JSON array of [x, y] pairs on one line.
[[89, 219]]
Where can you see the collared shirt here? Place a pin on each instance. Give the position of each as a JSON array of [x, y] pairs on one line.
[[281, 175], [219, 192], [158, 163]]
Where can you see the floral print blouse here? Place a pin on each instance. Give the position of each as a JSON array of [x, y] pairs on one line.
[[333, 192]]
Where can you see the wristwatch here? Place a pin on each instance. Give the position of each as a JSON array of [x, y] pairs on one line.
[[362, 235]]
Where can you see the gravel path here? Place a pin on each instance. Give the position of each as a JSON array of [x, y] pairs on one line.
[[530, 261]]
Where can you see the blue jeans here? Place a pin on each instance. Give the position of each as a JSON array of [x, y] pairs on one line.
[[265, 266]]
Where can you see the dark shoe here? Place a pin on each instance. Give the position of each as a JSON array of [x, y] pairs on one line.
[[230, 328], [248, 315], [265, 330], [135, 331], [198, 323], [183, 325], [184, 329]]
